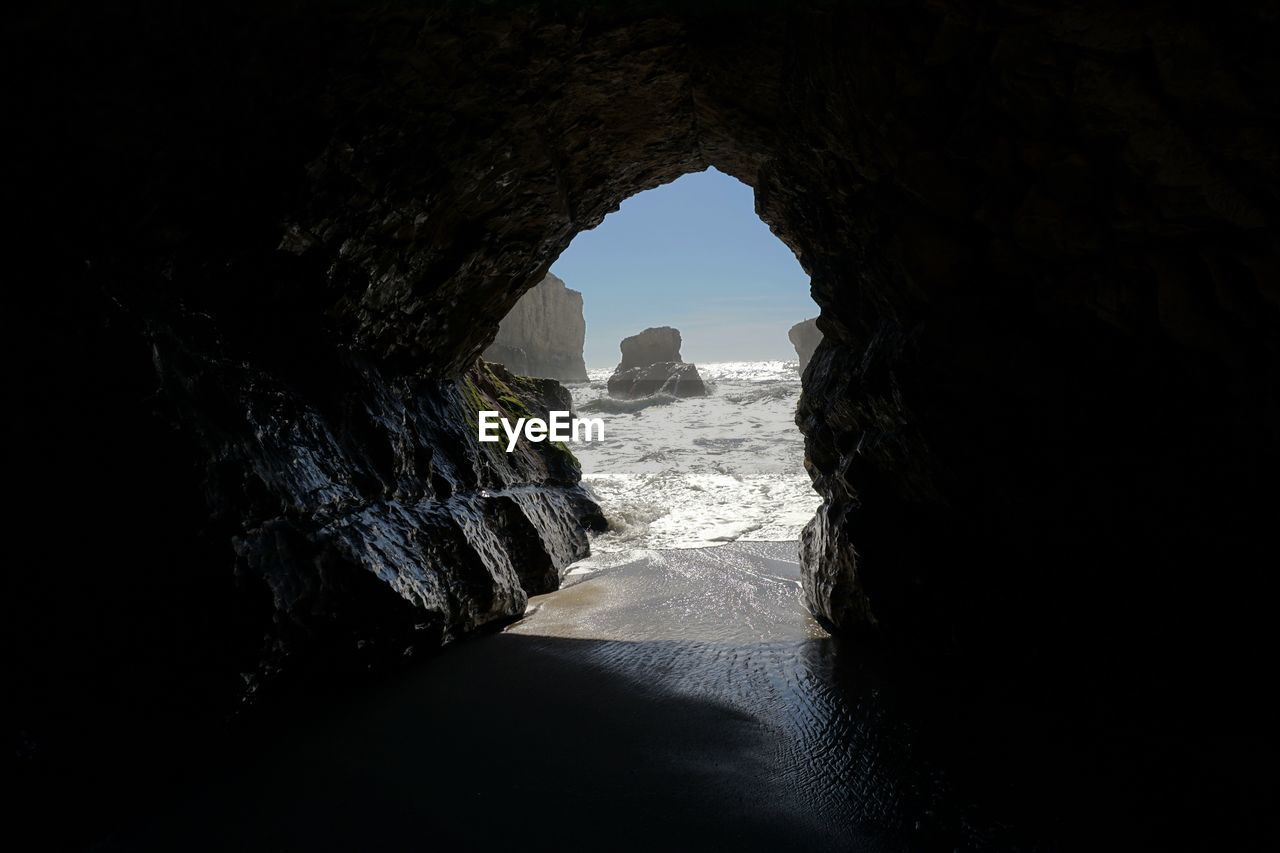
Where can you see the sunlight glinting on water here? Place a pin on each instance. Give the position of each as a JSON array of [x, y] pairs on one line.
[[699, 471]]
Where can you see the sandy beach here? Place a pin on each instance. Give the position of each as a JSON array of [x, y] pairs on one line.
[[663, 700]]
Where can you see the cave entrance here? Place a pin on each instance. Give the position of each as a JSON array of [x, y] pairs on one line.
[[680, 468]]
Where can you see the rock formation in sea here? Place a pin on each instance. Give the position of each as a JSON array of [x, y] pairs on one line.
[[543, 334], [653, 345], [651, 364], [805, 337]]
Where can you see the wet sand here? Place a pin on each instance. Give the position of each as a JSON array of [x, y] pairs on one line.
[[677, 700], [685, 700]]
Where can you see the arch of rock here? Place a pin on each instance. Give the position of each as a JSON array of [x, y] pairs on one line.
[[1043, 242]]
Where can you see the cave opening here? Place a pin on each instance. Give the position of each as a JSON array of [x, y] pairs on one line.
[[682, 325], [715, 458]]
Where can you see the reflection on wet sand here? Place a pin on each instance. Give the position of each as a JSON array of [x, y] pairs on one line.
[[664, 700], [662, 703], [725, 627]]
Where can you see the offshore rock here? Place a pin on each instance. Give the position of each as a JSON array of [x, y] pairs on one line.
[[672, 378], [651, 365], [805, 337], [543, 334], [653, 345]]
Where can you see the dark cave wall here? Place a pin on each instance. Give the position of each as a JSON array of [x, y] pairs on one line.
[[365, 506], [212, 535], [1058, 273], [1042, 240], [263, 244]]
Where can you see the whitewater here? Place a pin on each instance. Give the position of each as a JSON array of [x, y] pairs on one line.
[[699, 471]]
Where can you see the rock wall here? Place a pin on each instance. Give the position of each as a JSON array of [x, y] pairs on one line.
[[543, 334], [805, 337], [374, 514], [252, 529]]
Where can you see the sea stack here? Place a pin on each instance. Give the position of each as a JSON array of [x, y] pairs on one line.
[[651, 365], [543, 334], [805, 337]]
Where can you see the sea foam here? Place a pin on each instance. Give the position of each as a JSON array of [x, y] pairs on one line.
[[700, 471]]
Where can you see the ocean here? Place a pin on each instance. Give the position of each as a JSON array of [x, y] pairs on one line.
[[699, 471]]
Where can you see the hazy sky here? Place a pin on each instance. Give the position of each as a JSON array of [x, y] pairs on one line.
[[694, 255]]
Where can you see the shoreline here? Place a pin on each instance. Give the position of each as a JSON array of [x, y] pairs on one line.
[[680, 699], [644, 724]]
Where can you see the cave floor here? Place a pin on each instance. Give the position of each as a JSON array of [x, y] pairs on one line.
[[662, 700], [673, 700]]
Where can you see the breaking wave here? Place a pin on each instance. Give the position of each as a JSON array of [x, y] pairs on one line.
[[699, 471], [612, 406]]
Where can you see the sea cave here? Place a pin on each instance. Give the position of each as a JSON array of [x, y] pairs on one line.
[[261, 247]]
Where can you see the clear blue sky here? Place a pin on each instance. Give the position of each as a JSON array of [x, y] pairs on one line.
[[694, 255]]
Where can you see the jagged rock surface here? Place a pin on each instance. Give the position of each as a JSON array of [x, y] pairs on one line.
[[652, 346], [651, 365], [543, 334], [302, 521], [805, 337], [673, 378], [374, 519]]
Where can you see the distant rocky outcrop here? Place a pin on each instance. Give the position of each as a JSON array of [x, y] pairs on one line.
[[543, 334], [805, 337], [651, 365], [652, 346]]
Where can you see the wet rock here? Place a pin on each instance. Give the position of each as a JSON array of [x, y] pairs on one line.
[[651, 365], [371, 513], [543, 334], [675, 379], [805, 337]]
